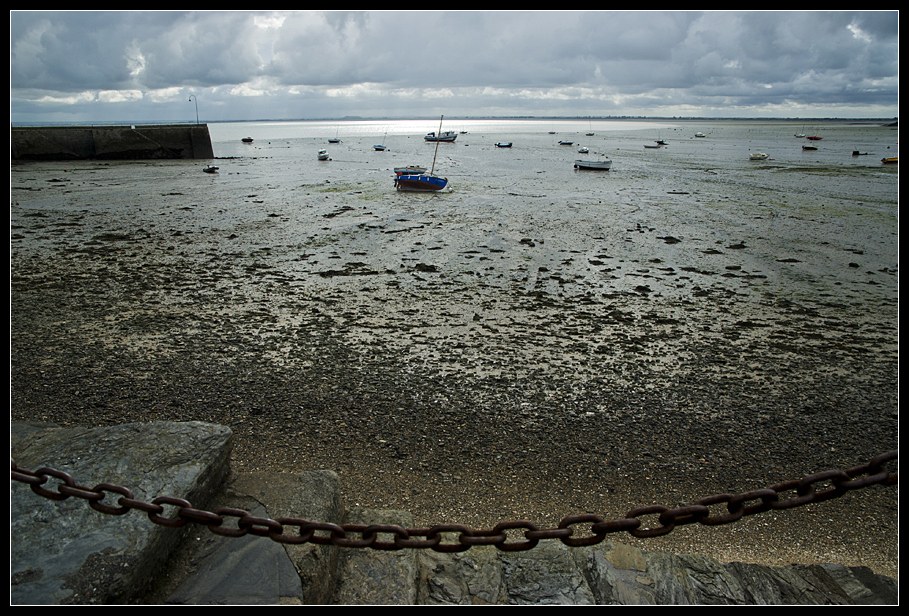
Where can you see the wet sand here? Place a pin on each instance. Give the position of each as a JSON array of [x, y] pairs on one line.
[[522, 351]]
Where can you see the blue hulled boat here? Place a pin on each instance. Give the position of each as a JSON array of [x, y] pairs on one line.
[[422, 182]]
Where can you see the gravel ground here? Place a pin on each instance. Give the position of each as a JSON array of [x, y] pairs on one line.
[[469, 373]]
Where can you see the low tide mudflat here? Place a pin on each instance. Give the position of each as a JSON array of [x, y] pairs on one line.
[[532, 343]]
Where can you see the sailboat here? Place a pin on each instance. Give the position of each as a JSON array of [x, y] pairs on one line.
[[423, 182], [380, 147], [336, 139]]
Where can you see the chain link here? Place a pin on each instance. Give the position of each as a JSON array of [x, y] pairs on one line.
[[572, 530]]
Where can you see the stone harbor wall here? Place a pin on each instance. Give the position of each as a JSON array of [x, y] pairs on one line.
[[133, 142], [64, 551]]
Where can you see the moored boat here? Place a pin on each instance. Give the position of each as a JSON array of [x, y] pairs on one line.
[[503, 144], [247, 139], [809, 147], [409, 170], [420, 182], [425, 182], [322, 155], [890, 160], [448, 136], [583, 150], [759, 156], [380, 147], [604, 164], [210, 169]]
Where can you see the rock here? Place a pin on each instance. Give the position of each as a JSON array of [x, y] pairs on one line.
[[377, 577], [65, 552]]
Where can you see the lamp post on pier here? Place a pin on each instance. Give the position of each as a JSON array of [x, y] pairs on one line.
[[195, 99]]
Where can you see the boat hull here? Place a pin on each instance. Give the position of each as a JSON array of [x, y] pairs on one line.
[[593, 165], [420, 183]]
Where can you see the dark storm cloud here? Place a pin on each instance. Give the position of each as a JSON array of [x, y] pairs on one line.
[[468, 62]]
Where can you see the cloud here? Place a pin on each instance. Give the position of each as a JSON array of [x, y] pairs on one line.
[[370, 63]]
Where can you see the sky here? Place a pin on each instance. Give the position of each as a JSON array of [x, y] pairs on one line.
[[167, 66]]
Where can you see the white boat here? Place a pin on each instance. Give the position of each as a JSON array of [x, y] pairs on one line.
[[700, 135], [410, 170], [603, 164], [448, 136], [323, 155], [759, 156], [503, 144], [583, 150]]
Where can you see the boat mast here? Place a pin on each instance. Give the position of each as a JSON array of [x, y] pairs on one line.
[[438, 137]]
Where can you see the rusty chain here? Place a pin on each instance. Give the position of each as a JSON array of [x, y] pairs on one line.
[[814, 488]]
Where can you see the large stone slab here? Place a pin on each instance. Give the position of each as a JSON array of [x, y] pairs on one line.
[[65, 552], [253, 570]]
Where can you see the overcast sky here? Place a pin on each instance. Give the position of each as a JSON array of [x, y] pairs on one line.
[[132, 66]]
